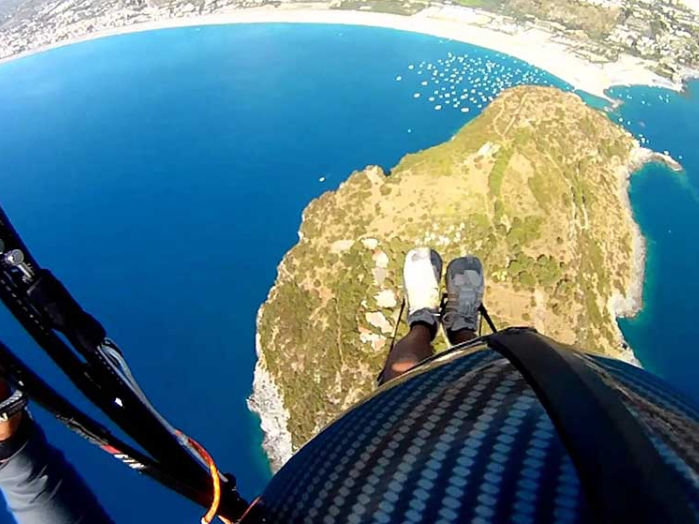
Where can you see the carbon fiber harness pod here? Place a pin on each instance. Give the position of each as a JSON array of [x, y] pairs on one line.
[[623, 479], [545, 434]]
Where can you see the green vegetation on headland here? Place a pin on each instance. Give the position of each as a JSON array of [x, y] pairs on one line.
[[535, 186]]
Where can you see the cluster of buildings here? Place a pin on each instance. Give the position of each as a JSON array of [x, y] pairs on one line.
[[32, 25], [663, 31]]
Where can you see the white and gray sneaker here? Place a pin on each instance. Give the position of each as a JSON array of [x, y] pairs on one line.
[[422, 274], [465, 285]]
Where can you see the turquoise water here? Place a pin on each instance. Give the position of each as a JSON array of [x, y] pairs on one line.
[[162, 176], [666, 206]]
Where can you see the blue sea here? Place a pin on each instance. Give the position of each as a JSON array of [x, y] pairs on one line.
[[162, 176], [666, 206]]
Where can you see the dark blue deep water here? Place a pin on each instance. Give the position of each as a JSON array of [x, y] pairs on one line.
[[162, 176], [666, 205]]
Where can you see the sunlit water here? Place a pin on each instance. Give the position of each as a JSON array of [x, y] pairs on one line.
[[666, 205], [162, 176]]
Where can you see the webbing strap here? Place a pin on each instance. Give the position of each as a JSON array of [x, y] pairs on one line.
[[622, 474]]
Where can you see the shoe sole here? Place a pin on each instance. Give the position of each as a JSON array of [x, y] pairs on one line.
[[457, 267]]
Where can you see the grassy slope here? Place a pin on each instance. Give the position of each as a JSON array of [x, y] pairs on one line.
[[532, 186]]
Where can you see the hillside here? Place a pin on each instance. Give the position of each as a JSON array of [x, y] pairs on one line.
[[536, 186]]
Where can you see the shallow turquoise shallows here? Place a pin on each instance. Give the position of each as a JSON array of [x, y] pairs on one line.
[[162, 176], [666, 206]]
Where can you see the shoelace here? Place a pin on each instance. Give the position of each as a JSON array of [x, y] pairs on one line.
[[461, 310]]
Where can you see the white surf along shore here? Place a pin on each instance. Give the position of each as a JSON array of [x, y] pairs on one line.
[[629, 306], [533, 45], [268, 402], [626, 306]]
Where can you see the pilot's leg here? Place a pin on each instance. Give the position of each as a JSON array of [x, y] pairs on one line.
[[422, 273], [412, 349]]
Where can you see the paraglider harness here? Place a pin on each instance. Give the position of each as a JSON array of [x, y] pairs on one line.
[[569, 391], [95, 364]]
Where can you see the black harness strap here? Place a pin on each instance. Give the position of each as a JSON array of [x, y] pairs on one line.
[[484, 315], [43, 306], [53, 300], [77, 421], [622, 474]]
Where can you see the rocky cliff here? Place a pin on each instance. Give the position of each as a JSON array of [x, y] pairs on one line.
[[536, 186]]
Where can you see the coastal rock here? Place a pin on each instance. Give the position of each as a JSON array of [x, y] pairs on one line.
[[381, 259], [341, 245], [545, 206], [376, 319], [370, 243], [386, 298], [267, 401], [642, 155]]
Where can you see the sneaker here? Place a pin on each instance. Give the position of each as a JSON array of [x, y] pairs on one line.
[[465, 285], [422, 274]]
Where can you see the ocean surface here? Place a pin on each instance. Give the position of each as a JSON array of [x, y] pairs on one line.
[[162, 176], [666, 206]]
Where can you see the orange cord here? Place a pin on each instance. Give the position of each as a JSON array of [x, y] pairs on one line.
[[245, 514], [206, 519]]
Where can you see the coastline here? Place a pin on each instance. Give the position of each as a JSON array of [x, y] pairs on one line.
[[629, 305], [277, 443], [266, 399], [267, 402], [532, 45]]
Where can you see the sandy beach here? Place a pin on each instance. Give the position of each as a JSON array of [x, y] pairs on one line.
[[534, 46]]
